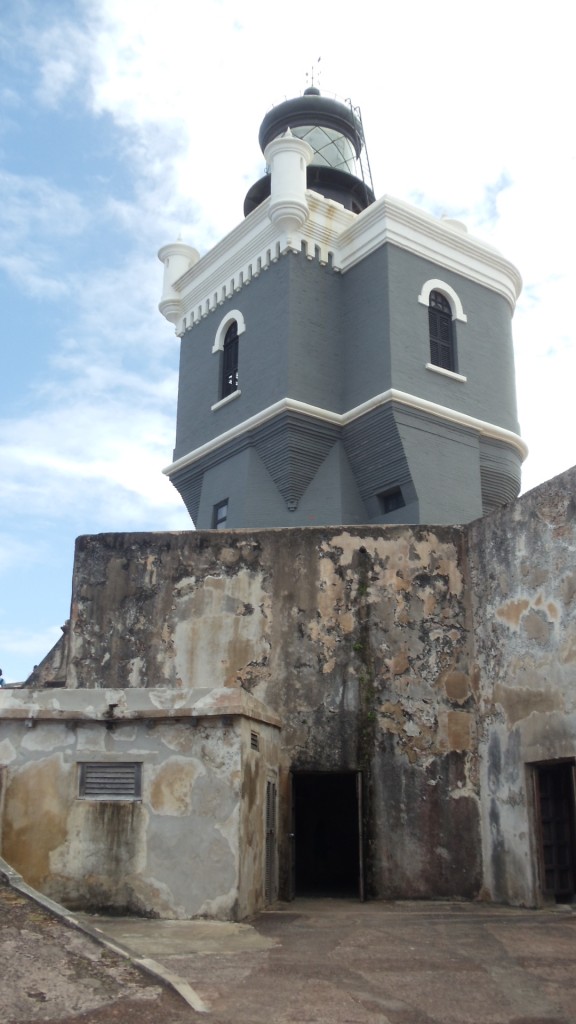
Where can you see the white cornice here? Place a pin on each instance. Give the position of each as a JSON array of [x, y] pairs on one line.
[[249, 250], [334, 234], [489, 430], [391, 220]]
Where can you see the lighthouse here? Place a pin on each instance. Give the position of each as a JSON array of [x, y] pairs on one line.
[[344, 359]]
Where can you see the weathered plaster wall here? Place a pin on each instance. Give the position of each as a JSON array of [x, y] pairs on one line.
[[439, 662], [358, 638], [177, 852], [523, 591], [370, 671]]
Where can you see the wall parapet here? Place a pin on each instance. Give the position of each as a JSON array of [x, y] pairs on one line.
[[121, 705]]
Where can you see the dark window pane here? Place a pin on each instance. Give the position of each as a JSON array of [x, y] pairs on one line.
[[441, 332], [230, 361], [220, 515], [391, 500]]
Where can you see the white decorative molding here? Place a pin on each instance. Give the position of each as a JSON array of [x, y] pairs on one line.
[[224, 401], [176, 258], [485, 429], [435, 285], [233, 315], [391, 220], [446, 373], [288, 157], [250, 249], [333, 235]]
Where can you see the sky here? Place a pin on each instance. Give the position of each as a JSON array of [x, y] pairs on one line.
[[127, 123]]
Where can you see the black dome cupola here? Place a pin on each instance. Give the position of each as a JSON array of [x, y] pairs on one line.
[[334, 132]]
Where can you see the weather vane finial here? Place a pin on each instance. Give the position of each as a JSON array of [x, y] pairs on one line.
[[313, 78]]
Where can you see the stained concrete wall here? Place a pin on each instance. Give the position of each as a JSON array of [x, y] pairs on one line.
[[523, 593], [438, 662], [357, 638], [192, 845]]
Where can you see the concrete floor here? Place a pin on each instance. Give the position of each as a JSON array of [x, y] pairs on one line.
[[341, 962]]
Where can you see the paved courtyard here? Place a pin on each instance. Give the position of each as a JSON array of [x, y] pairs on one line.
[[342, 962]]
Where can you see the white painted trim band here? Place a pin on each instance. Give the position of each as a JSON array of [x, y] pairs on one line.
[[446, 373], [347, 238], [224, 401], [436, 285], [484, 428]]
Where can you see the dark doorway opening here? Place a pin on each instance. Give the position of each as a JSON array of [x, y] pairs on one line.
[[327, 834], [556, 809]]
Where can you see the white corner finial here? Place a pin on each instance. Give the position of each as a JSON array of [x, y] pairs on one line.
[[288, 157], [177, 258]]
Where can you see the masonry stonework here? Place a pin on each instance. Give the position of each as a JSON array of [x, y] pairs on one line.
[[434, 664]]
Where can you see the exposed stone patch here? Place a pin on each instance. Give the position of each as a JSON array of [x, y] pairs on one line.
[[513, 611], [457, 686], [537, 627], [520, 703]]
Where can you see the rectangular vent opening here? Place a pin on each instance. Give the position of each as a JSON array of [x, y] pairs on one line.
[[111, 780], [254, 741], [390, 501]]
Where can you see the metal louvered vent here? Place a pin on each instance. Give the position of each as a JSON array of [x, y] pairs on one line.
[[111, 780], [254, 741]]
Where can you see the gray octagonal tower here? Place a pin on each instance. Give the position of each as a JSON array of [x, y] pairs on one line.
[[343, 360]]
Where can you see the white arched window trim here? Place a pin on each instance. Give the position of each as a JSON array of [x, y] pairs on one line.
[[435, 285], [234, 314]]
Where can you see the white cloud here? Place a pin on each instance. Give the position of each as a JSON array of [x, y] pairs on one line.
[[35, 215], [60, 48], [482, 135], [34, 208], [15, 552], [90, 453], [26, 644]]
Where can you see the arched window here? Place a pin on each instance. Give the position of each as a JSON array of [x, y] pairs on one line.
[[230, 361], [442, 348]]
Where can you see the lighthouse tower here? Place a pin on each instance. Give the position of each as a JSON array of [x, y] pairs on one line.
[[343, 359]]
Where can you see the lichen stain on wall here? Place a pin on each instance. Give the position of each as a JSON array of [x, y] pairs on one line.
[[518, 703], [104, 852], [219, 627], [512, 611], [171, 789], [30, 834]]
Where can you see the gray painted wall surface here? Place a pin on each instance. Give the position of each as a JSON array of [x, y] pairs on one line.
[[335, 341], [444, 460], [484, 344], [366, 326], [447, 473], [291, 347]]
